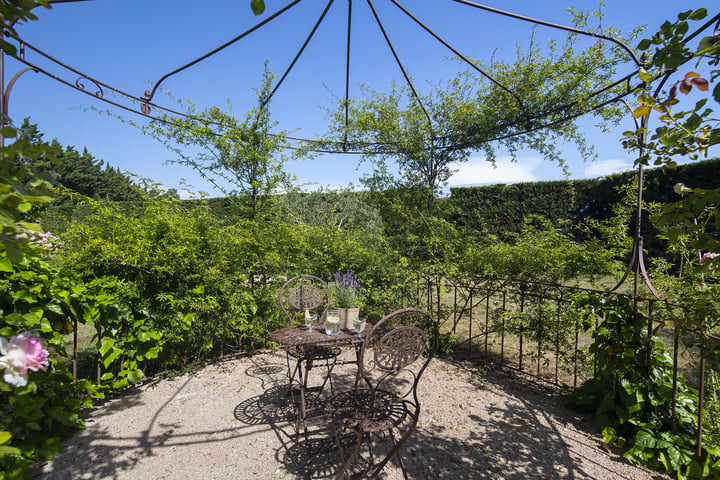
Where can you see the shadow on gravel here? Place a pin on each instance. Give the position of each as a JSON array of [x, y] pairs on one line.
[[274, 406], [517, 437], [501, 427]]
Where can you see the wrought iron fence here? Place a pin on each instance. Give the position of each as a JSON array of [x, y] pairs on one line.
[[531, 327]]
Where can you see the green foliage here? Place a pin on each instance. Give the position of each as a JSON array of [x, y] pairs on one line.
[[238, 157], [342, 209], [383, 270], [419, 144], [35, 295], [427, 133], [15, 12], [583, 208], [179, 288], [690, 224], [539, 253], [500, 209], [79, 173], [257, 6], [689, 131], [631, 392]]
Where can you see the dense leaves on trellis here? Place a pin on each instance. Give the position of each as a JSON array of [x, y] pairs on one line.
[[426, 134], [631, 392], [238, 157], [635, 410], [35, 295]]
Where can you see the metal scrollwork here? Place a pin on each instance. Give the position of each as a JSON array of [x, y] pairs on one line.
[[306, 296], [400, 348], [79, 83], [145, 106]]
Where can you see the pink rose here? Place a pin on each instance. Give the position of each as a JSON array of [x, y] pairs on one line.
[[707, 256], [36, 357], [22, 353]]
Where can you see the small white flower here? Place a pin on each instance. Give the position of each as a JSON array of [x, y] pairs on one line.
[[680, 188]]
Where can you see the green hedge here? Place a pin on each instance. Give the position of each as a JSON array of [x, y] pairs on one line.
[[500, 209]]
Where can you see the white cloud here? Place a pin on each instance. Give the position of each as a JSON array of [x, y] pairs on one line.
[[607, 167], [478, 171]]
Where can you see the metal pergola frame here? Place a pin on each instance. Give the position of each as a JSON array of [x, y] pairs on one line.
[[144, 104], [532, 121]]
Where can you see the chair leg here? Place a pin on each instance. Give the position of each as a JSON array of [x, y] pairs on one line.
[[396, 447], [328, 378], [338, 442], [395, 450], [302, 379], [345, 468]]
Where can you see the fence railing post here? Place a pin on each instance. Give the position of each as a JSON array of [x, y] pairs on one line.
[[701, 405]]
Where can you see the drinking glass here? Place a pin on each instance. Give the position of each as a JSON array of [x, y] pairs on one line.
[[359, 326], [332, 322], [310, 319]]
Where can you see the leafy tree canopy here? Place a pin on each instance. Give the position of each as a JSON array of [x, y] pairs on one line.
[[237, 157], [532, 105]]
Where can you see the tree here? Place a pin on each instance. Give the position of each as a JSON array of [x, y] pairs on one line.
[[417, 132], [342, 209], [685, 131], [652, 422], [428, 134], [80, 173], [12, 12], [237, 157]]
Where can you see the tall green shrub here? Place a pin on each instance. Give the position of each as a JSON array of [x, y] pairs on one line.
[[36, 296]]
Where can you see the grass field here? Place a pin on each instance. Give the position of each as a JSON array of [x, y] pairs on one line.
[[86, 351]]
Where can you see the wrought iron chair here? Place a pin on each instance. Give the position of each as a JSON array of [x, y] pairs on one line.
[[300, 293], [385, 404]]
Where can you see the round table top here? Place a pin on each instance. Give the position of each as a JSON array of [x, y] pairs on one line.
[[300, 336]]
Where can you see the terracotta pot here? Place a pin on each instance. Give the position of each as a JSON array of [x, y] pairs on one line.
[[347, 316]]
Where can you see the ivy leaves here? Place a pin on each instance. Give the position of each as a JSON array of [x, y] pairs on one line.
[[631, 391]]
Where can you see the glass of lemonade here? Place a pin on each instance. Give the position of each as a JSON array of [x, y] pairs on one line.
[[359, 326], [310, 319], [332, 322]]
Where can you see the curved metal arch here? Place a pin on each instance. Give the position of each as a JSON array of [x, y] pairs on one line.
[[299, 53], [317, 145], [344, 145], [636, 263], [400, 65], [151, 93], [554, 25], [461, 56]]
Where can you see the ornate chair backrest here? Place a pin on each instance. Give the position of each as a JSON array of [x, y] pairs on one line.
[[304, 292], [394, 348]]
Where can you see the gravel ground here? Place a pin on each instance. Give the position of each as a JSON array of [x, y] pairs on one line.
[[226, 421]]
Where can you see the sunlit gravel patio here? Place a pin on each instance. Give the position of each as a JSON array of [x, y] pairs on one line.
[[228, 421]]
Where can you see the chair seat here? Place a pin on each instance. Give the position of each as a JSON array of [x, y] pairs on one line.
[[308, 352], [351, 409]]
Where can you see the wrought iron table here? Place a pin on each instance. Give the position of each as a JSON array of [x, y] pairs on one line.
[[313, 346]]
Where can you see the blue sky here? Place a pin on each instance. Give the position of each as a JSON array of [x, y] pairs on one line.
[[131, 44]]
